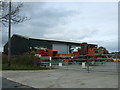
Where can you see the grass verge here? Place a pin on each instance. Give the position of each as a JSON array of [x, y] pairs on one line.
[[23, 68], [22, 62]]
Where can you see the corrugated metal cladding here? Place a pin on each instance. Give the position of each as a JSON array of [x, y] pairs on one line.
[[18, 45], [40, 43], [21, 44], [62, 48]]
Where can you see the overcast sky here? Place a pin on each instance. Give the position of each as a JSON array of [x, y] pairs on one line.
[[91, 22]]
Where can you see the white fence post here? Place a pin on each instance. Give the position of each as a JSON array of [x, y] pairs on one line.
[[60, 64], [50, 64], [83, 65]]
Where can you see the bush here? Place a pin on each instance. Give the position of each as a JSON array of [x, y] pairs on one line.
[[4, 59], [27, 60], [23, 68], [21, 61]]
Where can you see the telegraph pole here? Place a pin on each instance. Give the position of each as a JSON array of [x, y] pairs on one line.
[[9, 35]]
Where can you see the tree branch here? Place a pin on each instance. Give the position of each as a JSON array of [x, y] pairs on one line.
[[15, 17]]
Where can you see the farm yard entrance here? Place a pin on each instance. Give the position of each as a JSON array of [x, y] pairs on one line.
[[81, 64]]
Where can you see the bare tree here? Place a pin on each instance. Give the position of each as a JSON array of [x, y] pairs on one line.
[[11, 15], [16, 17]]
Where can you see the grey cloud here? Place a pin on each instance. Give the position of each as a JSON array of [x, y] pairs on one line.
[[48, 17], [4, 38], [109, 45], [1, 49], [68, 34], [43, 19], [62, 22], [112, 46]]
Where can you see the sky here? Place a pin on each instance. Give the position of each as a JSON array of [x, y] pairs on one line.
[[91, 22]]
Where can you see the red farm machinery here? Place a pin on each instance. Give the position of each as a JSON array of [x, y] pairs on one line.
[[91, 51], [82, 54]]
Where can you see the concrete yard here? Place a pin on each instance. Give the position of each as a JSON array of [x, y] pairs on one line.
[[61, 78], [11, 84]]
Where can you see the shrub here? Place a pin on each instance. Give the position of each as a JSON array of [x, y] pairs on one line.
[[21, 60]]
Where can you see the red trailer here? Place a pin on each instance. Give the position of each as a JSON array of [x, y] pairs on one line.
[[45, 52], [92, 51]]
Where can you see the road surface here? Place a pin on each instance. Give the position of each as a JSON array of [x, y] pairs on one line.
[[11, 84]]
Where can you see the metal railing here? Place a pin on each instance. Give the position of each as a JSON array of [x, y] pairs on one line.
[[83, 62]]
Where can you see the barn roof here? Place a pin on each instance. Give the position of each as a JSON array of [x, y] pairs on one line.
[[53, 40]]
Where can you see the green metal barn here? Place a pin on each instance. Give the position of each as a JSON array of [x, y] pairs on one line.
[[21, 44]]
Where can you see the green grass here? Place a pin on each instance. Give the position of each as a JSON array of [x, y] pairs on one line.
[[22, 62], [4, 67], [0, 66]]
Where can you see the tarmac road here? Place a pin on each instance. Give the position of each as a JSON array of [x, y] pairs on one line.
[[102, 76], [63, 79], [11, 84]]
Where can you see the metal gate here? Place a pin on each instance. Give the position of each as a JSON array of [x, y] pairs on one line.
[[81, 64]]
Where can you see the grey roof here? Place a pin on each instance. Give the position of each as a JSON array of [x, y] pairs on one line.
[[64, 41], [21, 36], [53, 40]]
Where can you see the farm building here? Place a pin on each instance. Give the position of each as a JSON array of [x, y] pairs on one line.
[[21, 44]]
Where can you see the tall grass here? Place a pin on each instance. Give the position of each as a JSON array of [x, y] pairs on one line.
[[21, 62]]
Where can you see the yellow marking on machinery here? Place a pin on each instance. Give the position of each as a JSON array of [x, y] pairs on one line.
[[61, 54], [116, 59]]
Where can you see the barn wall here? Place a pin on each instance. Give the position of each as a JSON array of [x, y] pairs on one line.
[[6, 48], [19, 45], [40, 43]]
